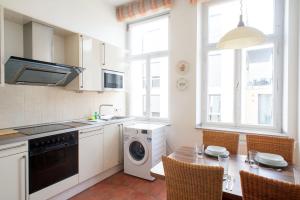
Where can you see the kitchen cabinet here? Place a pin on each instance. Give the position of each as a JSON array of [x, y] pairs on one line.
[[1, 46], [90, 153], [85, 52], [112, 146], [38, 41], [13, 171], [112, 57]]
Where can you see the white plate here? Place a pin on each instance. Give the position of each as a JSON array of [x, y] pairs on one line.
[[216, 149], [277, 164], [270, 157], [208, 152]]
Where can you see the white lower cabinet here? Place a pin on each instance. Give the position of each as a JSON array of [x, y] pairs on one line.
[[112, 146], [13, 171], [90, 153]]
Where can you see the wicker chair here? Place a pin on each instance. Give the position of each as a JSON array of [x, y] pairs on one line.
[[256, 187], [272, 144], [192, 182], [220, 138]]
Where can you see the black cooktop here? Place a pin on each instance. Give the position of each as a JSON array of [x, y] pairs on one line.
[[49, 128]]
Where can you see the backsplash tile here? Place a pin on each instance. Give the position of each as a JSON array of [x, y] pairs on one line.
[[26, 105]]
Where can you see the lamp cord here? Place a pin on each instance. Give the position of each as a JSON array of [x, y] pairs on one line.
[[241, 7], [241, 22]]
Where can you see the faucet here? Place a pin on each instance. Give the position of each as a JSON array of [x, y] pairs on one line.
[[104, 105]]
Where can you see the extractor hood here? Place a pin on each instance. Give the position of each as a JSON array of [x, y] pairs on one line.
[[34, 72]]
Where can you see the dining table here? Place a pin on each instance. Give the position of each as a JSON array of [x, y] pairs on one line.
[[231, 190]]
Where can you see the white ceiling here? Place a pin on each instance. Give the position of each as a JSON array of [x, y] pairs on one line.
[[117, 2]]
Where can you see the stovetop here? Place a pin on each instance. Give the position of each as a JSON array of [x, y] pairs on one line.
[[38, 129]]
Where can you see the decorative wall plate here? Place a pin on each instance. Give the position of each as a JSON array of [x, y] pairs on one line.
[[182, 84], [183, 67]]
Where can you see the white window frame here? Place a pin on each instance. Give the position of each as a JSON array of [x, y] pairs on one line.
[[277, 40], [148, 57]]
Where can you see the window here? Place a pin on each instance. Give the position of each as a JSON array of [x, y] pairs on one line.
[[149, 66], [214, 113], [242, 88]]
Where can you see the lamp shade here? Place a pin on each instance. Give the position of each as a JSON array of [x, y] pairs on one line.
[[241, 37]]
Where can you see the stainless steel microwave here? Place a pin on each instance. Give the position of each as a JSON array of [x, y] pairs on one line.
[[113, 80]]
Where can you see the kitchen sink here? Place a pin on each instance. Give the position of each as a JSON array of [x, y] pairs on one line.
[[115, 118], [101, 120]]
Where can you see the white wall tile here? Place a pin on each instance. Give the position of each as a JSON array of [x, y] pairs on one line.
[[26, 105]]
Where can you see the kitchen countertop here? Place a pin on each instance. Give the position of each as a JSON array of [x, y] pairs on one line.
[[81, 124]]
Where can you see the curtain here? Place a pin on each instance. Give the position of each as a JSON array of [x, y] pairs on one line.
[[141, 8], [198, 1]]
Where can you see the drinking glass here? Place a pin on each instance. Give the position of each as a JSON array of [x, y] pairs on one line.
[[224, 162], [251, 159], [296, 171], [199, 148]]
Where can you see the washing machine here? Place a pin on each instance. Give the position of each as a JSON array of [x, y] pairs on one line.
[[144, 145]]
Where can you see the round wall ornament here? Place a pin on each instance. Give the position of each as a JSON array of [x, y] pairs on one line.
[[183, 67], [182, 84]]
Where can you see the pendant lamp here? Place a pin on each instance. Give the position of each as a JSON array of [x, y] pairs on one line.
[[242, 36]]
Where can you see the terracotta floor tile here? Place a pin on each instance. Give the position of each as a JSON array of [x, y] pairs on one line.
[[124, 187]]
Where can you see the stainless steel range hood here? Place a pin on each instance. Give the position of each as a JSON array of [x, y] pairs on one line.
[[34, 72]]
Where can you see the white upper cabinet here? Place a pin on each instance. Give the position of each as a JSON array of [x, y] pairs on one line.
[[85, 52], [38, 42], [1, 45], [92, 62], [112, 57], [30, 38]]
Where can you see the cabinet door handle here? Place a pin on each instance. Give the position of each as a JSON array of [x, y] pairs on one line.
[[81, 61], [104, 54], [85, 132], [25, 171], [13, 147], [121, 142]]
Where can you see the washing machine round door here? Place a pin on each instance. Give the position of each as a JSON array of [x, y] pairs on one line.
[[137, 151]]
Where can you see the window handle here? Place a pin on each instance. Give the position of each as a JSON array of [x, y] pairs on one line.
[[237, 85]]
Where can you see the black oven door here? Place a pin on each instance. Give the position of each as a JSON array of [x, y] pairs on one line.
[[52, 159]]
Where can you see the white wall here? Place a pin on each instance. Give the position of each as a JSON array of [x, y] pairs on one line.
[[298, 121], [95, 18], [183, 46]]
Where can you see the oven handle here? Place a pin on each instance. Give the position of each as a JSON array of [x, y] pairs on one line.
[[54, 148]]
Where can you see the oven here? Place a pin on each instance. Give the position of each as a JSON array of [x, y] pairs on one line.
[[52, 159], [113, 80]]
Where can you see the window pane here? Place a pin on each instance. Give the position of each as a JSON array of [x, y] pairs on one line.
[[149, 36], [137, 88], [260, 17], [214, 113], [223, 17], [159, 87], [220, 88], [257, 86], [264, 109]]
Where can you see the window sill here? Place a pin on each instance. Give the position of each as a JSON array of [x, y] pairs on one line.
[[241, 130]]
